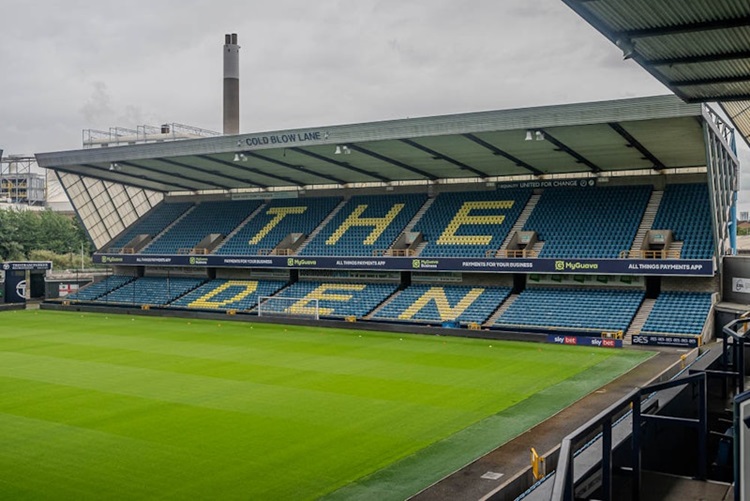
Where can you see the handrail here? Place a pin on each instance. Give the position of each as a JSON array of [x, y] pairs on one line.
[[650, 254], [564, 484]]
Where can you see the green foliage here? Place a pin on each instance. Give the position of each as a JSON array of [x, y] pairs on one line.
[[70, 261], [22, 232]]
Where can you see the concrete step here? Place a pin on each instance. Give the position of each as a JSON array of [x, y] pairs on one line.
[[165, 230], [257, 211], [639, 320], [522, 218], [323, 224], [502, 309]]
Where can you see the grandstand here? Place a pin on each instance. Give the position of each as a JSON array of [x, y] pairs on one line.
[[573, 224], [533, 208], [598, 227]]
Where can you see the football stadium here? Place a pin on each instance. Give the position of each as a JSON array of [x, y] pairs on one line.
[[528, 303]]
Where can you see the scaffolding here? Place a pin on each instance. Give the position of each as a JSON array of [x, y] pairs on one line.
[[120, 136], [19, 184]]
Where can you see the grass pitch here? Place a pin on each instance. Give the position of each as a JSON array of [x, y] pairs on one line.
[[96, 406]]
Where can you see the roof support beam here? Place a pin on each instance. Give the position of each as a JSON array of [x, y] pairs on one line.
[[298, 168], [391, 161], [344, 165], [704, 58], [633, 142], [439, 156], [700, 98], [114, 175], [181, 176], [203, 171], [497, 151], [719, 24], [711, 81], [250, 169], [570, 151]]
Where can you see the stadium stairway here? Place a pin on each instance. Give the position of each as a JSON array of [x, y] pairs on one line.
[[685, 210], [639, 320], [382, 305], [581, 223], [323, 224], [427, 204], [152, 223], [98, 289], [521, 221], [238, 228], [537, 247], [410, 226], [165, 230], [502, 309], [649, 215]]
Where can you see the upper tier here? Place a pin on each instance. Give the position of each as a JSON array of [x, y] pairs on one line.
[[570, 223]]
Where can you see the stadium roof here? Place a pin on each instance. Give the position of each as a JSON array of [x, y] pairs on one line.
[[700, 49], [631, 134]]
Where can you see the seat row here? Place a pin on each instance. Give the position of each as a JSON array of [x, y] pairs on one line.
[[584, 222], [536, 308]]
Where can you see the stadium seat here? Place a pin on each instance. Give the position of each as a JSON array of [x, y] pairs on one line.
[[573, 309], [222, 294], [685, 209], [468, 224], [205, 219], [152, 223], [365, 225], [100, 288], [436, 304], [335, 299], [151, 290], [679, 313], [588, 222], [277, 220]]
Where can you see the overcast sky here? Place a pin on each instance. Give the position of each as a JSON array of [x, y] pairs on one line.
[[73, 65]]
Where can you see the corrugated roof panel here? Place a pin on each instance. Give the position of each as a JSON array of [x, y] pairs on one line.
[[694, 44], [652, 31], [725, 69], [644, 14]]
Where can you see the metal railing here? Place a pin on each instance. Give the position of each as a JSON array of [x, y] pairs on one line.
[[564, 485], [650, 254]]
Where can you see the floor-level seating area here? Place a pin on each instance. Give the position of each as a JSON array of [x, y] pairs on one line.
[[334, 299], [222, 294], [686, 210], [99, 288], [366, 225], [151, 290], [679, 313], [275, 221], [588, 222], [435, 304], [205, 219], [468, 224], [152, 223], [574, 309]]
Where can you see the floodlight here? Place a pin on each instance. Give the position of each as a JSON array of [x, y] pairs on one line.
[[627, 46], [529, 135]]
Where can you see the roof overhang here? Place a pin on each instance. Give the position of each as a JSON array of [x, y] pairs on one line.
[[700, 49], [647, 134]]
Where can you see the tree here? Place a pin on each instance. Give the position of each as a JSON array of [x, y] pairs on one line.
[[22, 232]]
